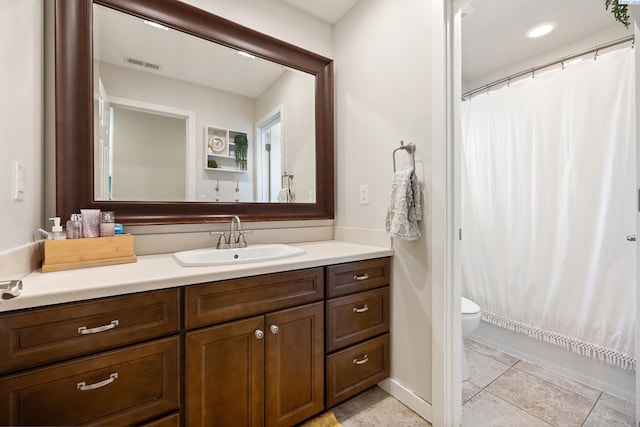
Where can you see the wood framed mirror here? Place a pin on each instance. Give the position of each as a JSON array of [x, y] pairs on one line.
[[74, 116]]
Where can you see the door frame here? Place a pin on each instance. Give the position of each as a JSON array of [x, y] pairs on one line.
[[190, 136], [447, 409], [635, 15], [260, 166], [446, 273]]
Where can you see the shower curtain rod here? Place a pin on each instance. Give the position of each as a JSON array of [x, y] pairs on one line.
[[468, 95]]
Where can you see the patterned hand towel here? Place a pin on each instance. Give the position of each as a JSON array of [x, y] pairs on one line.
[[405, 209]]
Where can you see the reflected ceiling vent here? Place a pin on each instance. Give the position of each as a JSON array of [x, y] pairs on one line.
[[143, 64]]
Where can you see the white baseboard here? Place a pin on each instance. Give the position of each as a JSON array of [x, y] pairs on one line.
[[408, 398]]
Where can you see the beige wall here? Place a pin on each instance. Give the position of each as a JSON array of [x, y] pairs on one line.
[[295, 92], [21, 121], [212, 107], [383, 94], [382, 55], [148, 156]]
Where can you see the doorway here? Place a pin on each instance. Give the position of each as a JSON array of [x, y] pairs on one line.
[[270, 156], [552, 55]]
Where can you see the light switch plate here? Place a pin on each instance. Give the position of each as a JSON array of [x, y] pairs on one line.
[[18, 180], [364, 194]]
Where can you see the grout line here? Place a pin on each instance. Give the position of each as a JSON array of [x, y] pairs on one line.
[[522, 409], [592, 408], [474, 394], [539, 378]]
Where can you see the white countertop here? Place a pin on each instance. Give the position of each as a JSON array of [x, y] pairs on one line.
[[162, 271]]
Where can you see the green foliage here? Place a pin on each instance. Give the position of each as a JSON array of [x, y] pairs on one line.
[[242, 144], [212, 164], [620, 11]]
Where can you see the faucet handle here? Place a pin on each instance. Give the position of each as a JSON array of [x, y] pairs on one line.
[[242, 243], [222, 239]]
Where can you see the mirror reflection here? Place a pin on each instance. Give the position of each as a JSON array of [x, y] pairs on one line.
[[178, 118]]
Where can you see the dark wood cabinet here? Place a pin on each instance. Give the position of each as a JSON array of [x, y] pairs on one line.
[[109, 361], [295, 364], [357, 328], [357, 368], [354, 318], [210, 303], [120, 387], [358, 276], [34, 337], [225, 374], [243, 352], [264, 370]]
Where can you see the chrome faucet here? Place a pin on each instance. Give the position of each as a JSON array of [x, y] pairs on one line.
[[231, 241], [10, 288]]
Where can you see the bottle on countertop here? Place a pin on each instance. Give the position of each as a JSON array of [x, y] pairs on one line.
[[56, 230], [90, 222], [74, 227], [107, 224]]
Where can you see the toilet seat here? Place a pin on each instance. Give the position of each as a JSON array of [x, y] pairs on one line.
[[469, 307]]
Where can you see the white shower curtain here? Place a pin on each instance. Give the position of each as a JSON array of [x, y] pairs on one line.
[[548, 199]]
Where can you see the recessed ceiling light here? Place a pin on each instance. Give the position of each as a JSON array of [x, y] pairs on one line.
[[156, 25], [541, 29]]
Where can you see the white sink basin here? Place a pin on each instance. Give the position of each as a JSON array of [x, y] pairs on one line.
[[252, 253]]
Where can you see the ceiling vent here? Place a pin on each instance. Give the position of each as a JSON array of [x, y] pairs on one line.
[[143, 64]]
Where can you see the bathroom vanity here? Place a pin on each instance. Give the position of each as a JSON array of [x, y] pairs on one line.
[[156, 344]]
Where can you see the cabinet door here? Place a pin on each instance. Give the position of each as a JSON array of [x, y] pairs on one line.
[[225, 375], [295, 366]]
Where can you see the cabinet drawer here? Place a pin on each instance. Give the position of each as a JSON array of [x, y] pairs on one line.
[[121, 387], [344, 279], [217, 302], [34, 337], [355, 369], [356, 317]]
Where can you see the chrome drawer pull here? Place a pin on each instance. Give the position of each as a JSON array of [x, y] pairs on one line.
[[361, 276], [364, 360], [259, 334], [361, 310], [84, 331], [84, 387]]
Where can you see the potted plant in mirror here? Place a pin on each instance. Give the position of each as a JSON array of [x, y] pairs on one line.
[[241, 143]]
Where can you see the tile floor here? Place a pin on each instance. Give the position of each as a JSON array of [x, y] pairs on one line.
[[506, 391], [502, 391], [375, 408]]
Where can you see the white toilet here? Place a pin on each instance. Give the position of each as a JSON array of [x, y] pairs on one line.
[[470, 321]]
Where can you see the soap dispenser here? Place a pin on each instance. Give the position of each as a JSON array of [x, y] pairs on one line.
[[74, 227], [56, 230]]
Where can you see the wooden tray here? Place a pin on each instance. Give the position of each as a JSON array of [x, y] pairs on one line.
[[88, 252]]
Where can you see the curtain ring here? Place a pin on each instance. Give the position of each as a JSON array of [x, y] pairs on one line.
[[562, 64], [595, 57], [533, 73], [509, 83]]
